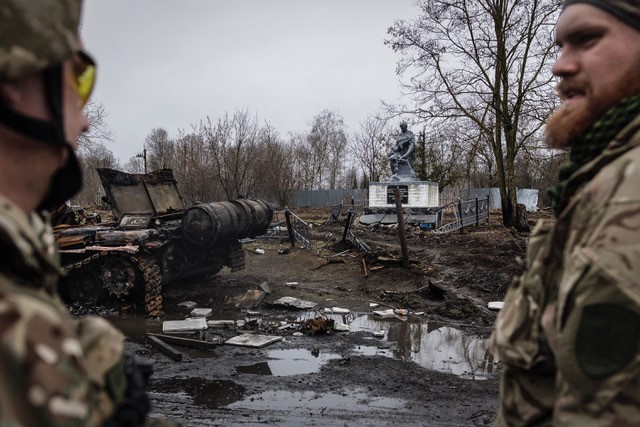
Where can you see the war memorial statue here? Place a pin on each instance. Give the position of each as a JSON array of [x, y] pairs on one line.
[[401, 158], [415, 195]]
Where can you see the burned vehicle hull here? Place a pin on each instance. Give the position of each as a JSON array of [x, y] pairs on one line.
[[154, 240]]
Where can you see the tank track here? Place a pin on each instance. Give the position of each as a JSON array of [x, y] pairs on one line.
[[236, 256], [152, 277], [149, 272]]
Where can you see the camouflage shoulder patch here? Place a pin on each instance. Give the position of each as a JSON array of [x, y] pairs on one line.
[[607, 339]]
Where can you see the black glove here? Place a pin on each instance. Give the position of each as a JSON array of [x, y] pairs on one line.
[[133, 410]]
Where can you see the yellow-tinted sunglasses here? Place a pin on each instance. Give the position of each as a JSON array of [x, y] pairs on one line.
[[85, 76]]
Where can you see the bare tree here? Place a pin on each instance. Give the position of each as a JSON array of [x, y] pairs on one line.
[[275, 168], [327, 143], [439, 157], [234, 145], [192, 168], [98, 157], [486, 61], [370, 147], [98, 132], [160, 150]]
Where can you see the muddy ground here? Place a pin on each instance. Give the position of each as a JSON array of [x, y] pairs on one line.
[[432, 366]]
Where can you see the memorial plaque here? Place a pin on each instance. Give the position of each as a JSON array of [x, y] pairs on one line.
[[404, 193]]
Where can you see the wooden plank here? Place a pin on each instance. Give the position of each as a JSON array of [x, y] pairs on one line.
[[185, 342], [165, 348]]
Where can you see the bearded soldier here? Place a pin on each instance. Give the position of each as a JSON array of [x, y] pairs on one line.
[[569, 333]]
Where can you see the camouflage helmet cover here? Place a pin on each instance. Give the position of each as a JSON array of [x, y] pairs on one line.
[[35, 34]]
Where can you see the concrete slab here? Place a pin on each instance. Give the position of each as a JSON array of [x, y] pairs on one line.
[[220, 323], [495, 305], [185, 326], [188, 304], [291, 302], [264, 287], [337, 310], [252, 340], [384, 313], [201, 312], [251, 299]]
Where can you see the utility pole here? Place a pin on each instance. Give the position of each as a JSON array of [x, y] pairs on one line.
[[143, 155]]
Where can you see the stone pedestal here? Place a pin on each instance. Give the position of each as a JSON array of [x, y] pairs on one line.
[[414, 194]]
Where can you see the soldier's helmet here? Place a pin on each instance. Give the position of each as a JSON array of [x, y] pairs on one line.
[[36, 34]]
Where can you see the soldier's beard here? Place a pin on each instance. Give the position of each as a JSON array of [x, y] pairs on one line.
[[570, 122], [566, 125]]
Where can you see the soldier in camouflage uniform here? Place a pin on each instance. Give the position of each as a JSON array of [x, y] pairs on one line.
[[569, 333], [54, 370]]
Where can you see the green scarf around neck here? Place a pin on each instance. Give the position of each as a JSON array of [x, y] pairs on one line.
[[591, 145]]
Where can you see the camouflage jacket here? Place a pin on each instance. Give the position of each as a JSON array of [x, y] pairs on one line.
[[54, 370], [569, 333]]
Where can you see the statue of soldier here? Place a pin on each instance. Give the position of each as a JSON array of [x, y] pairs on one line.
[[401, 158]]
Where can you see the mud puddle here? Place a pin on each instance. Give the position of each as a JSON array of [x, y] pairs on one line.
[[289, 362], [357, 400], [431, 345], [196, 391]]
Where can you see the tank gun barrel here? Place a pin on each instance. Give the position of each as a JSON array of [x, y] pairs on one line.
[[210, 222]]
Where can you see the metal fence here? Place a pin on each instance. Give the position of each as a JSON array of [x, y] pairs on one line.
[[330, 197], [465, 213]]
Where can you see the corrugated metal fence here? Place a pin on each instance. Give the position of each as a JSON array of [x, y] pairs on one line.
[[329, 197], [361, 197]]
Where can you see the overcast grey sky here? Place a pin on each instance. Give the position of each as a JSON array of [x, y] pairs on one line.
[[171, 63]]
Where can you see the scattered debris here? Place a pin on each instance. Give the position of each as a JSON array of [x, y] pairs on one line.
[[378, 334], [220, 323], [292, 284], [189, 342], [341, 327], [297, 334], [401, 311], [319, 325], [264, 286], [251, 299], [165, 348], [252, 340], [337, 310], [185, 326], [495, 305], [241, 323], [284, 251], [259, 251], [296, 303], [373, 304], [384, 313], [201, 312], [188, 304]]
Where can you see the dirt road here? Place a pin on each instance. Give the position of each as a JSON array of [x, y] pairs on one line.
[[431, 366]]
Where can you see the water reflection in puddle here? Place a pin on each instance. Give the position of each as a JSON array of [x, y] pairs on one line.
[[357, 400], [289, 362], [213, 394], [431, 345]]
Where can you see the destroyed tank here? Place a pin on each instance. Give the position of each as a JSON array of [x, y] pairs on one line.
[[153, 240]]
